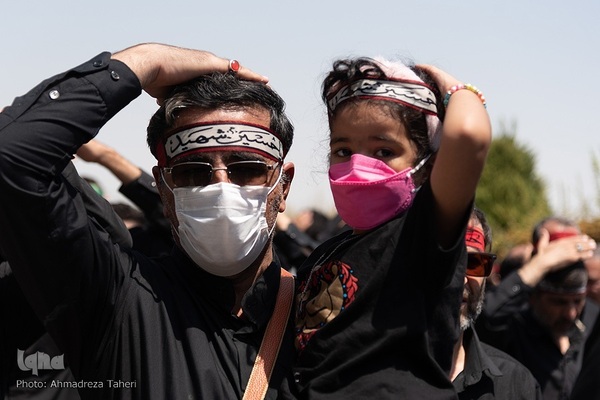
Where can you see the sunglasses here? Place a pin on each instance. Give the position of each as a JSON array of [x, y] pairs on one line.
[[241, 173], [480, 264]]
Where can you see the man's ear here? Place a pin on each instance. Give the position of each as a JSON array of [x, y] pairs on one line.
[[157, 178], [165, 195], [156, 174], [287, 176]]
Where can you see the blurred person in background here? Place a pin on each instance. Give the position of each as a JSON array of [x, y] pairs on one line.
[[535, 313], [152, 231], [480, 371]]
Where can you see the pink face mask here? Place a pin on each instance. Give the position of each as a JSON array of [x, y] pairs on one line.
[[368, 193]]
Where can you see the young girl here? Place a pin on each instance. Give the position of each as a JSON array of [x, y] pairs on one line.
[[378, 307]]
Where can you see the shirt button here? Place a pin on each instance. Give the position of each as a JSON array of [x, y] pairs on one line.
[[297, 377], [153, 184], [54, 94], [515, 288], [114, 75], [97, 63]]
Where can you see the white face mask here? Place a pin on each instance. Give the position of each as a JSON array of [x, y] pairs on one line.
[[223, 227]]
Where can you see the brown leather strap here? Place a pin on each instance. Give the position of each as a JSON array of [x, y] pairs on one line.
[[269, 348]]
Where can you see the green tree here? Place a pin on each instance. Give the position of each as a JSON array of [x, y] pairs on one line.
[[590, 223], [510, 192]]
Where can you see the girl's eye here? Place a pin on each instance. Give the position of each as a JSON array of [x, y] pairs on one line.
[[384, 153], [342, 152]]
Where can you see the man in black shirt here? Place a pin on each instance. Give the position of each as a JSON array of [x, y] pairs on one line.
[[21, 330], [535, 313], [481, 371], [188, 325], [587, 385]]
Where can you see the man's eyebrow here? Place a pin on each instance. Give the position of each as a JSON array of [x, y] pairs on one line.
[[198, 157], [244, 155]]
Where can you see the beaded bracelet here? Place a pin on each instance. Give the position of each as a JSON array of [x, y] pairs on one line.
[[468, 87]]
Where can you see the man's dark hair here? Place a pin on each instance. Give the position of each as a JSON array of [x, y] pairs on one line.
[[487, 230], [220, 91], [571, 279]]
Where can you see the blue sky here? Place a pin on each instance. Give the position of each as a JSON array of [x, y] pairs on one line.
[[535, 62]]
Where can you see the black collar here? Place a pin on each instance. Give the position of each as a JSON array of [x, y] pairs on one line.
[[477, 361], [258, 302]]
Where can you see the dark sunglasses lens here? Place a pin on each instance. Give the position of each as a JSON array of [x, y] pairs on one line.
[[185, 175], [480, 264], [248, 173]]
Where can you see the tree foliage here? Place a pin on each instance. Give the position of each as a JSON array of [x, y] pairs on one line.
[[510, 192], [590, 224]]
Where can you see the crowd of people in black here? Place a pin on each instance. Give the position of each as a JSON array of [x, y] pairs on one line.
[[202, 286]]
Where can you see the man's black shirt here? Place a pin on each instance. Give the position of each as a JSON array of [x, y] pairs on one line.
[[163, 327]]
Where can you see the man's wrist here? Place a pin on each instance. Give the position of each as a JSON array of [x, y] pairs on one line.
[[532, 272]]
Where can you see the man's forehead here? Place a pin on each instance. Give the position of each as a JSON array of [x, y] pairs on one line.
[[475, 224], [563, 297]]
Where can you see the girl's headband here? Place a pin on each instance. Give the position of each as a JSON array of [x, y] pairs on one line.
[[412, 94]]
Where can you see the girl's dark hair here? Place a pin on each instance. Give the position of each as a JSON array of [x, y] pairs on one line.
[[346, 71]]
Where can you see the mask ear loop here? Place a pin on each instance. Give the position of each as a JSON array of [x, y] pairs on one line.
[[416, 168], [280, 162]]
